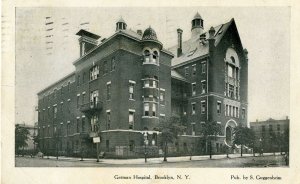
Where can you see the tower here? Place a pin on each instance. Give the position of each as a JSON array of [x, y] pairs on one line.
[[197, 25], [150, 94], [121, 24]]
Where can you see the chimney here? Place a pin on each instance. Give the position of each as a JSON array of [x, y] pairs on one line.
[[87, 41], [179, 38], [211, 39], [139, 32], [286, 117]]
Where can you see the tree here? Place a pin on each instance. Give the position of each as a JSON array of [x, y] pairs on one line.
[[170, 129], [210, 130], [21, 137], [243, 136]]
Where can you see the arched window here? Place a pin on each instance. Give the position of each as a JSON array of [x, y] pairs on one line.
[[147, 56], [232, 59], [155, 57]]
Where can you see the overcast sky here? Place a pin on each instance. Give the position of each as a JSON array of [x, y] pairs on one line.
[[41, 60]]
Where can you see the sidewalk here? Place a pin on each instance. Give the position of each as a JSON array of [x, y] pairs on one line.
[[152, 160]]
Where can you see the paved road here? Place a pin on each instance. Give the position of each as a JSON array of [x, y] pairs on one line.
[[265, 161]]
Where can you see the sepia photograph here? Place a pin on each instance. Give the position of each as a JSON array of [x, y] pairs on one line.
[[180, 87]]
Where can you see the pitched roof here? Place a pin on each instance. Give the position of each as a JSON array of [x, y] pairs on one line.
[[193, 48]]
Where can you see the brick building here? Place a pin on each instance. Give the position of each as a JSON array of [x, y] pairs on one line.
[[271, 135], [211, 83], [123, 86]]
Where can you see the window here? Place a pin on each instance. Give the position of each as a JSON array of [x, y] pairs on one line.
[[69, 106], [113, 64], [186, 71], [230, 71], [154, 84], [194, 69], [62, 90], [193, 108], [131, 90], [233, 109], [227, 111], [219, 107], [48, 131], [68, 128], [155, 57], [94, 122], [194, 89], [243, 113], [54, 111], [236, 92], [146, 83], [78, 80], [146, 56], [82, 124], [108, 120], [203, 83], [94, 72], [231, 90], [203, 107], [77, 101], [77, 125], [105, 67], [108, 90], [270, 128], [83, 98], [131, 119], [203, 67], [94, 98], [154, 109], [237, 112], [162, 97], [146, 109], [61, 128], [61, 107], [193, 128]]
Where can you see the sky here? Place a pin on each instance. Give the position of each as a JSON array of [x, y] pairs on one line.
[[42, 60]]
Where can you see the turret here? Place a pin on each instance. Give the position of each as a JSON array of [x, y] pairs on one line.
[[197, 26]]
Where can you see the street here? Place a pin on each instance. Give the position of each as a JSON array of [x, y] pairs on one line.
[[218, 161]]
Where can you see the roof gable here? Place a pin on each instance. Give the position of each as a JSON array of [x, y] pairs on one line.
[[194, 48]]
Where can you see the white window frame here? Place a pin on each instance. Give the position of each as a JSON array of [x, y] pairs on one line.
[[194, 86], [203, 109], [193, 104]]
